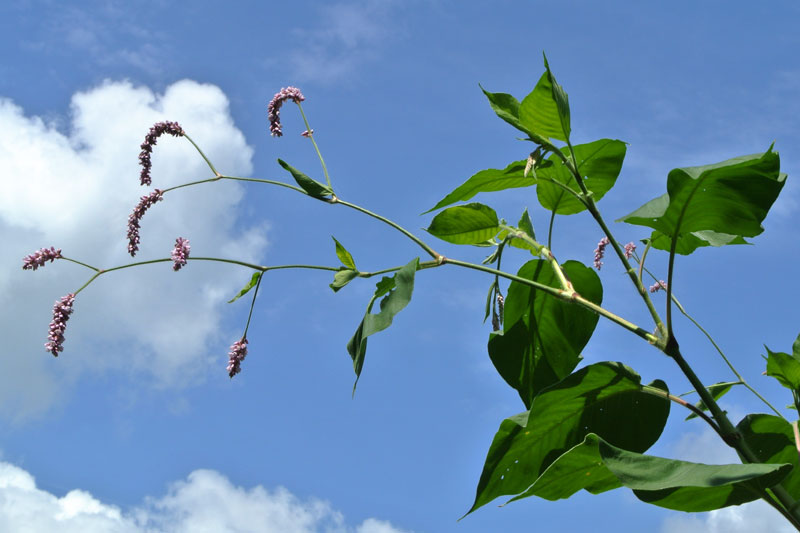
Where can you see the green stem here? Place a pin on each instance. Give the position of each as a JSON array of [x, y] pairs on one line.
[[728, 431], [550, 230], [236, 178], [721, 353], [568, 296], [401, 229], [677, 399], [252, 305], [79, 263], [314, 142], [208, 162]]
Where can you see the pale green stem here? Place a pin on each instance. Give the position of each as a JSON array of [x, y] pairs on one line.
[[550, 229], [208, 162], [567, 296], [79, 263], [252, 305], [401, 229], [314, 142]]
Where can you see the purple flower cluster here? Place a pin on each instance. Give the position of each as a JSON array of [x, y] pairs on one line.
[[158, 129], [655, 287], [274, 108], [600, 252], [629, 249], [61, 311], [180, 253], [138, 212], [38, 258], [236, 356]]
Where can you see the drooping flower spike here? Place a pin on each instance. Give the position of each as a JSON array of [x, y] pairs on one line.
[[236, 356], [658, 286], [138, 212], [61, 311], [38, 258], [274, 108], [629, 249], [180, 254], [599, 252], [158, 129]]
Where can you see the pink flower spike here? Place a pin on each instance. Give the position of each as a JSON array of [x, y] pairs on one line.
[[158, 129], [274, 108], [629, 249], [138, 212], [600, 252], [655, 287], [61, 311], [38, 258], [236, 356], [180, 253]]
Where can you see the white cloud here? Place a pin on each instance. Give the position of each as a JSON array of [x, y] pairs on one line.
[[350, 34], [754, 517], [73, 188], [205, 502]]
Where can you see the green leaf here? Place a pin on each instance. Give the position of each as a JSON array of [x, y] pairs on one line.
[[561, 99], [581, 467], [771, 438], [729, 199], [543, 336], [717, 391], [312, 187], [343, 255], [545, 110], [342, 278], [489, 180], [785, 368], [252, 283], [599, 162], [604, 398], [691, 487], [506, 107], [465, 224], [526, 225], [397, 293]]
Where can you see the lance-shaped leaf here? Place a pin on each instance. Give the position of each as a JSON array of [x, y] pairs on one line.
[[343, 255], [691, 487], [396, 292], [785, 368], [250, 284], [599, 164], [772, 439], [543, 336], [465, 224], [546, 109], [311, 186], [604, 398], [489, 180], [729, 199]]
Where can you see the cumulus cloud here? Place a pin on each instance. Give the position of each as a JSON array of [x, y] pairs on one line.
[[73, 187], [205, 501]]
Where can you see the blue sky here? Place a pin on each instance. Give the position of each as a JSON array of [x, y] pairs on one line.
[[136, 427]]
